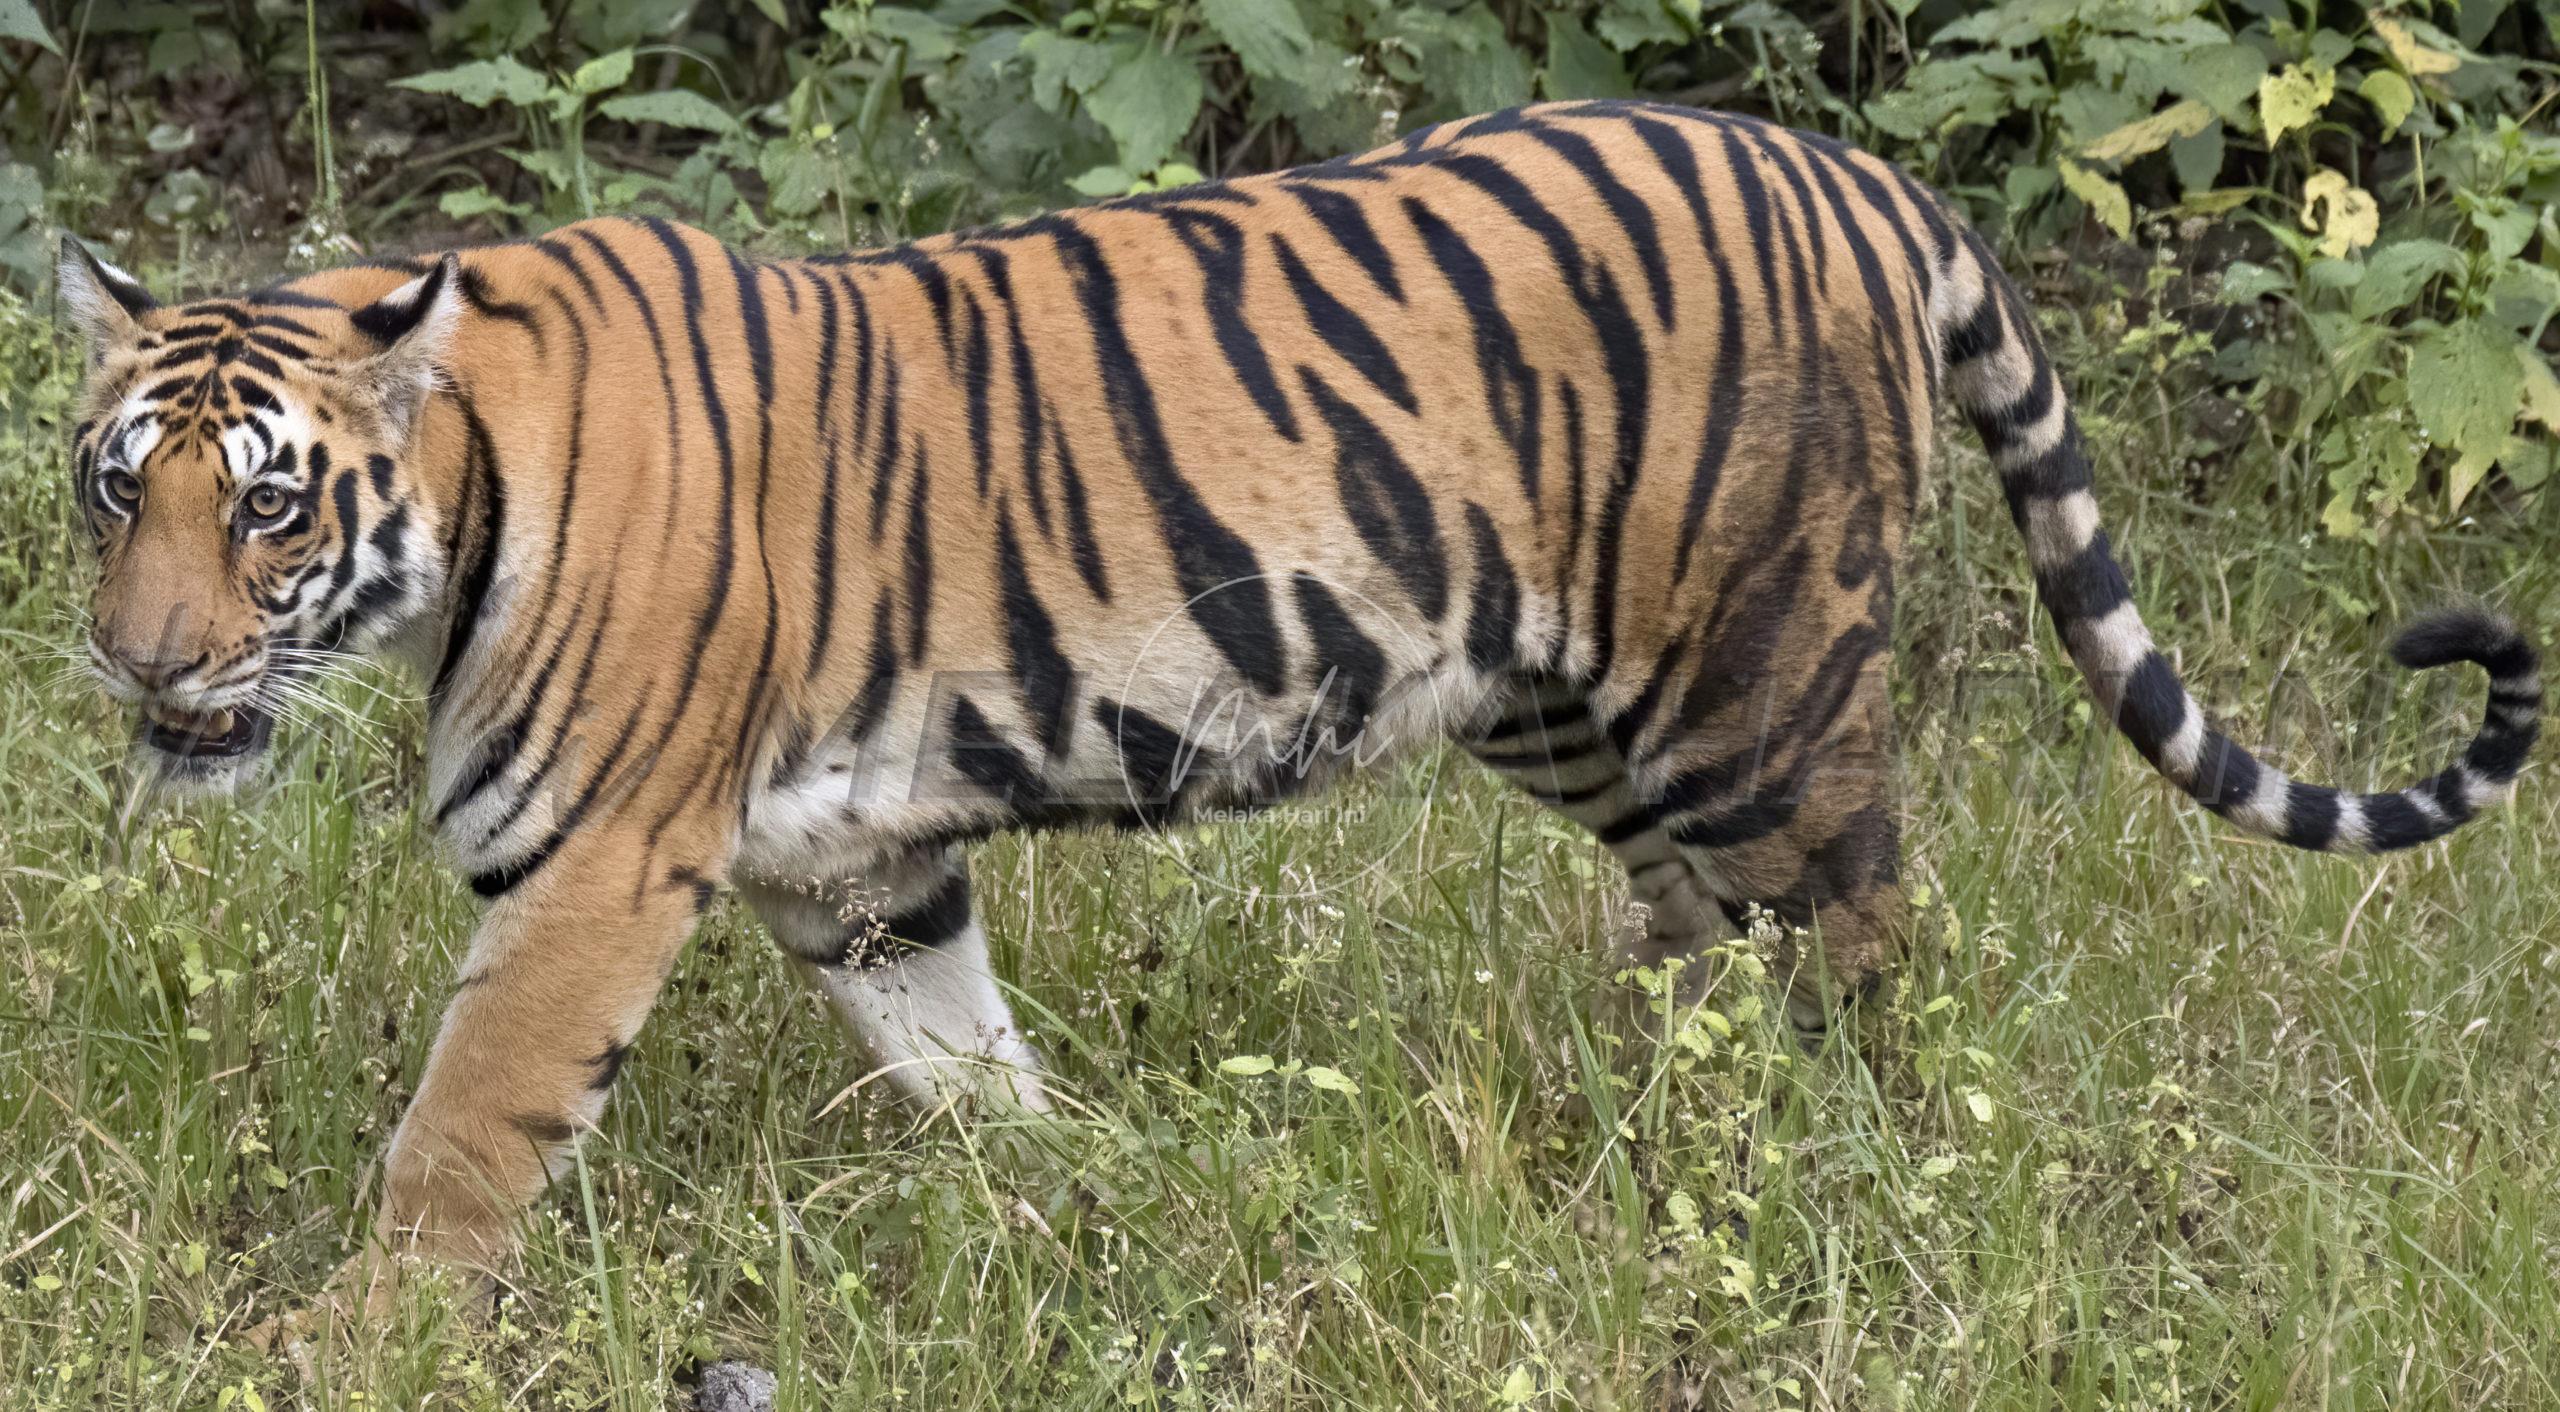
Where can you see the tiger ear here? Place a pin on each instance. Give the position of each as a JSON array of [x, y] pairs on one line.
[[101, 300], [413, 325]]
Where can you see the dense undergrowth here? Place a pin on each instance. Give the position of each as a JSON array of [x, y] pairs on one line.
[[2162, 1118]]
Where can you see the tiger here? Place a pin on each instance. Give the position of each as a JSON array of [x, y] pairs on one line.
[[1587, 435]]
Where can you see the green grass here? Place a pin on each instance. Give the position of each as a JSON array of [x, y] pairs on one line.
[[2166, 1118]]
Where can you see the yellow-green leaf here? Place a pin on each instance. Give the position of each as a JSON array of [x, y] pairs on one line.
[[1332, 1080], [2150, 134], [2391, 96], [1979, 1103], [2541, 388], [2215, 202], [2292, 98], [1245, 1064], [2411, 53], [2104, 197], [2352, 218]]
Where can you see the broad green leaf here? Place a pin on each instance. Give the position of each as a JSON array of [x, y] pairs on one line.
[[2394, 275], [2197, 159], [602, 72], [1465, 61], [19, 20], [676, 107], [552, 167], [2464, 385], [1060, 66], [2529, 461], [797, 177], [1147, 104], [2391, 96], [2136, 139], [1330, 1080], [1979, 1104], [2291, 99], [2507, 222], [479, 201], [2103, 197], [929, 40], [2224, 76], [1579, 66], [1102, 181], [1269, 37], [2027, 184], [1627, 24], [483, 82], [1247, 1065], [1937, 1167]]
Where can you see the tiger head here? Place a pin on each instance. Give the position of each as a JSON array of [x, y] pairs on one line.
[[244, 466]]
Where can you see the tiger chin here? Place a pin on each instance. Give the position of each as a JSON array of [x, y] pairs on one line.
[[1585, 435]]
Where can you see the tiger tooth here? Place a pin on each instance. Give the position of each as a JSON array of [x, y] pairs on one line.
[[218, 724]]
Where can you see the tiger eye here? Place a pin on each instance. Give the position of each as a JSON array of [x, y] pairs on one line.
[[266, 502], [124, 488]]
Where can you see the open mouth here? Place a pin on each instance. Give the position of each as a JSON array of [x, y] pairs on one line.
[[210, 735]]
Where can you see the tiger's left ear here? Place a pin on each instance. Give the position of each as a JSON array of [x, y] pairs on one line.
[[102, 301], [413, 325]]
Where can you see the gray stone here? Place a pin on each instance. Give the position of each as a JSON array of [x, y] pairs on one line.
[[734, 1387]]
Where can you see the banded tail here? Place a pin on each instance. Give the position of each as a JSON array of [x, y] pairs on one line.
[[1998, 373]]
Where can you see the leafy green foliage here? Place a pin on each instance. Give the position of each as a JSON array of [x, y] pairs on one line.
[[2378, 182]]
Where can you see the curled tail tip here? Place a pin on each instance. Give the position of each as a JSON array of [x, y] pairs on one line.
[[2466, 635]]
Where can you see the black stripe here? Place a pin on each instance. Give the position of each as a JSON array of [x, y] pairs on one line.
[[919, 560], [884, 465], [2089, 587], [567, 259], [1510, 384], [976, 379], [1219, 575], [1031, 640], [986, 759], [1724, 382], [1217, 245], [1632, 215], [1346, 659], [1385, 502], [484, 489], [1345, 332], [2392, 822], [822, 551], [1154, 757], [942, 915], [1347, 222], [715, 413], [1493, 613], [2310, 817], [871, 703], [1088, 550]]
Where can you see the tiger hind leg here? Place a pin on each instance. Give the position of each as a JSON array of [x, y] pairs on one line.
[[1544, 739], [901, 957], [1808, 837]]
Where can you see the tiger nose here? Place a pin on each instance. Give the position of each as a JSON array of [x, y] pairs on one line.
[[150, 671]]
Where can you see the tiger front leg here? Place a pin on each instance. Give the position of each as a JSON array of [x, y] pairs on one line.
[[560, 975], [901, 957]]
